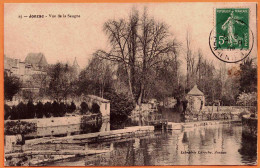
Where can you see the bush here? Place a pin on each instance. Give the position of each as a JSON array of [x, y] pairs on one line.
[[17, 127], [120, 107], [62, 109], [84, 108], [72, 107], [7, 111], [95, 108], [55, 109], [30, 111], [47, 109], [39, 110], [20, 112]]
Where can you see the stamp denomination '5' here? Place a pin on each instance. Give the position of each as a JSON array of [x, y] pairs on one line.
[[232, 28], [231, 40]]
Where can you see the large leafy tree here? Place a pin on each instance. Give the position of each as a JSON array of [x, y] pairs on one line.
[[248, 76], [12, 85]]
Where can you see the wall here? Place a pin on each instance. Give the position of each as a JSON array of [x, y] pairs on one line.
[[54, 121]]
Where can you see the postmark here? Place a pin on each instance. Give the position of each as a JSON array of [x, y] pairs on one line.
[[231, 40]]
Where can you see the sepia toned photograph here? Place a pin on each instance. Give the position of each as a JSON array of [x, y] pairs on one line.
[[130, 84]]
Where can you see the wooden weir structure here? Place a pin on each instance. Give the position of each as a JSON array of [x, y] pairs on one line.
[[71, 146]]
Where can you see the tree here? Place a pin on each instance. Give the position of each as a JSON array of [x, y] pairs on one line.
[[138, 46], [120, 107], [12, 85], [248, 76], [62, 81], [95, 78], [123, 39], [155, 46]]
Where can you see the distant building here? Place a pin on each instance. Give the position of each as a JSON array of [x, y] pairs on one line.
[[36, 60], [76, 66], [34, 63]]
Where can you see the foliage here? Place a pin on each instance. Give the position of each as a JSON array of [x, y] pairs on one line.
[[29, 110], [120, 107], [84, 108], [248, 76], [138, 45], [12, 86], [62, 81], [247, 99], [7, 111], [95, 108], [95, 78], [47, 109], [71, 108], [19, 127], [39, 110]]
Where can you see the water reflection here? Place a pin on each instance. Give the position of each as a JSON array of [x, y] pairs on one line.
[[210, 145]]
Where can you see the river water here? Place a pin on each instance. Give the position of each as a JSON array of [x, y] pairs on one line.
[[209, 145]]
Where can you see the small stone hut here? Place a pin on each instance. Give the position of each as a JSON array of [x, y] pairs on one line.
[[104, 104], [196, 100]]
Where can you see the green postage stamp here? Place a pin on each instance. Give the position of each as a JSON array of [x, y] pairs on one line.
[[232, 31], [231, 40]]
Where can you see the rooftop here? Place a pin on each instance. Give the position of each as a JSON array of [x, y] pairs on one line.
[[36, 58], [98, 98], [195, 91]]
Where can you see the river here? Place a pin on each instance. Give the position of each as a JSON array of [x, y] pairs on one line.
[[209, 145]]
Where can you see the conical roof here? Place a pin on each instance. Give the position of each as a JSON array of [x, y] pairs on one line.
[[195, 91], [75, 63]]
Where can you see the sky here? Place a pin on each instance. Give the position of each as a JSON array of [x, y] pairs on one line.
[[63, 39]]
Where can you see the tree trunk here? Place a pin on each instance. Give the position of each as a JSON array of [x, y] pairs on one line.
[[140, 97], [130, 85]]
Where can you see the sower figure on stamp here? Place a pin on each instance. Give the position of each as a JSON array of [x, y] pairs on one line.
[[229, 25]]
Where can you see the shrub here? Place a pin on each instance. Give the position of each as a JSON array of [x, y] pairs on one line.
[[72, 107], [7, 111], [20, 112], [95, 108], [30, 111], [55, 109], [120, 107], [84, 108], [62, 109], [17, 127], [47, 109], [39, 110]]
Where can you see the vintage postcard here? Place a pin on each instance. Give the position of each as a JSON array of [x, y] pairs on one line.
[[130, 84]]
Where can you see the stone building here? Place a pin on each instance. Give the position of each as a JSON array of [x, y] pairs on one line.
[[196, 100], [76, 66], [104, 104], [34, 63]]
